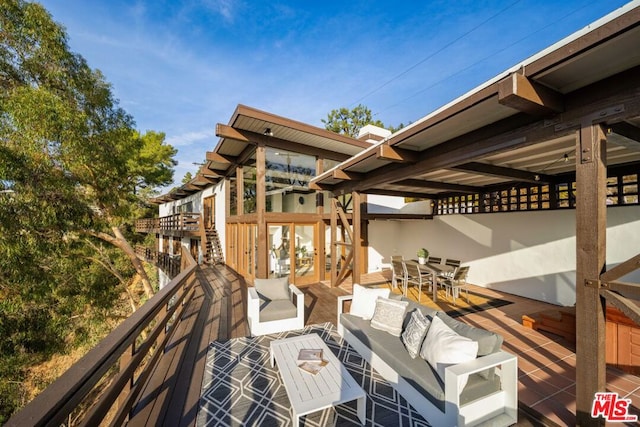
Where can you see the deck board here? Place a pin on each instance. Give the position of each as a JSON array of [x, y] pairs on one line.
[[546, 363]]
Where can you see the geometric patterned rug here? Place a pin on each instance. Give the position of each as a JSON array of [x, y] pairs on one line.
[[240, 388]]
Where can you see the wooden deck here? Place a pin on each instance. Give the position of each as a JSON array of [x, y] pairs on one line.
[[546, 362]]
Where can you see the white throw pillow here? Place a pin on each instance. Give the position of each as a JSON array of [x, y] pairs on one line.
[[364, 299], [444, 347]]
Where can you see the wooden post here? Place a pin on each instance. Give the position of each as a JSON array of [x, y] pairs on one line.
[[356, 219], [262, 263], [591, 223], [334, 246]]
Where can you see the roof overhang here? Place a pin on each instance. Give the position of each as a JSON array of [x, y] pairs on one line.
[[520, 125]]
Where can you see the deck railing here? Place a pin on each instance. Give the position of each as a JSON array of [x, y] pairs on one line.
[[170, 264], [182, 222], [102, 387]]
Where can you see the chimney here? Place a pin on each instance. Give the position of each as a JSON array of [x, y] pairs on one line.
[[372, 134]]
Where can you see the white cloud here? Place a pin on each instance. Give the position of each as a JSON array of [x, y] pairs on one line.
[[190, 137]]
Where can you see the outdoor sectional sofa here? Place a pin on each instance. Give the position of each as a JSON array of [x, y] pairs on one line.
[[489, 396]]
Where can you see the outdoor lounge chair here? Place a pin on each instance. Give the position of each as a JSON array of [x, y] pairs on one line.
[[273, 305]]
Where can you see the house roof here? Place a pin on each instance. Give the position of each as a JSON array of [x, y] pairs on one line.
[[249, 126], [520, 126]]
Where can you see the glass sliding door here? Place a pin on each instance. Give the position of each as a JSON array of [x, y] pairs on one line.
[[306, 254], [293, 252], [279, 250]]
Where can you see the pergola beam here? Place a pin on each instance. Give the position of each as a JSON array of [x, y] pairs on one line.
[[346, 175], [503, 172], [523, 94], [253, 138], [396, 154], [627, 130], [437, 185]]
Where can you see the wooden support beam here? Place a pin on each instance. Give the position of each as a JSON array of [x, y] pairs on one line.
[[591, 227], [396, 154], [530, 97], [347, 176], [356, 249], [629, 308], [334, 240], [263, 245], [396, 193], [437, 185], [627, 130], [621, 269], [253, 138], [502, 172], [628, 290], [219, 158]]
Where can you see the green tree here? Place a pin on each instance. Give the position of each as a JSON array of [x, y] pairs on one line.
[[349, 122], [187, 177], [72, 168]]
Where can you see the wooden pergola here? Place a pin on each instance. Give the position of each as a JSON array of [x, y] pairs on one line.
[[572, 110]]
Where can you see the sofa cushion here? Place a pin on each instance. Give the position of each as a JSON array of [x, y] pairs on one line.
[[416, 372], [272, 289], [277, 310], [389, 315], [443, 347], [414, 333], [488, 342], [363, 303]]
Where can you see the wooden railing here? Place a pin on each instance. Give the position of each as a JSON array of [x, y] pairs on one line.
[[102, 387], [182, 222], [170, 264]]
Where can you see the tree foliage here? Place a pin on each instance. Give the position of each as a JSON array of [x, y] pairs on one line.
[[349, 122], [72, 167]]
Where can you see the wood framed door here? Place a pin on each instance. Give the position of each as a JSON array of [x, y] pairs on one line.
[[209, 211], [232, 246]]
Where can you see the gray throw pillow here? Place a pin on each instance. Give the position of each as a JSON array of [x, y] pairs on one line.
[[388, 315], [272, 289], [415, 332]]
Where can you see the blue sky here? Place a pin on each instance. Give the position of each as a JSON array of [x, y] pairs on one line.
[[180, 67]]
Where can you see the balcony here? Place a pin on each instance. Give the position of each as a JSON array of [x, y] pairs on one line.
[[149, 371], [177, 225]]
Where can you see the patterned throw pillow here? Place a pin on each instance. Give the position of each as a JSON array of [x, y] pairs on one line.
[[389, 315], [415, 332]]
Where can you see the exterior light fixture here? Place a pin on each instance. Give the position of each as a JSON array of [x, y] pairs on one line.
[[537, 177], [267, 132], [565, 157]]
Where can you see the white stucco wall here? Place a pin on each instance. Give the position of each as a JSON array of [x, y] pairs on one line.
[[531, 254], [196, 199]]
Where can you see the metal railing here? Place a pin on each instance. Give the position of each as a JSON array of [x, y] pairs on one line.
[[102, 387], [182, 222]]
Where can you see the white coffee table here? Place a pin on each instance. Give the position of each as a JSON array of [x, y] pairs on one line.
[[310, 393]]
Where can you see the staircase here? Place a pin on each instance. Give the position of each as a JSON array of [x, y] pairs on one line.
[[213, 253]]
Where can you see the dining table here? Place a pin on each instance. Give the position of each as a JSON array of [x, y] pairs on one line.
[[434, 270]]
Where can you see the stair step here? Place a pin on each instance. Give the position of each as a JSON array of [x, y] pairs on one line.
[[561, 321]]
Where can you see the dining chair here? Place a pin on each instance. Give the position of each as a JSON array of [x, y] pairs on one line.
[[434, 260], [455, 264], [415, 277], [398, 273], [456, 283]]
